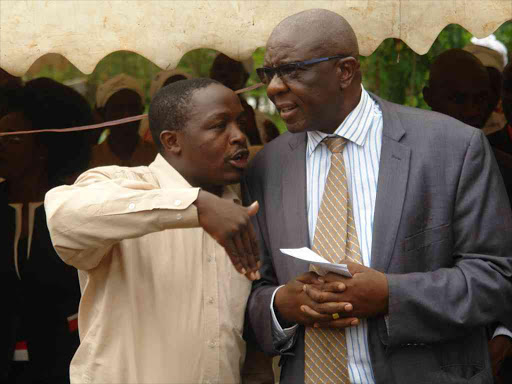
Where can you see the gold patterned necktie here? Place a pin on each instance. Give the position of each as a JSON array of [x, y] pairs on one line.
[[326, 358]]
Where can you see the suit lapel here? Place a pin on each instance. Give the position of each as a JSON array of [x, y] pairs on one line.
[[391, 188], [294, 196]]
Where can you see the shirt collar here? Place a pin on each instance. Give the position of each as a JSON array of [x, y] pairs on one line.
[[354, 128], [168, 177]]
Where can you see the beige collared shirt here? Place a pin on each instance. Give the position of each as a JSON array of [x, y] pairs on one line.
[[161, 301]]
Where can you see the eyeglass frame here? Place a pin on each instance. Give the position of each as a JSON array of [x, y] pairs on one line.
[[296, 65]]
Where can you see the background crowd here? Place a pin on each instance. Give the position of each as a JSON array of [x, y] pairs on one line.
[[471, 83]]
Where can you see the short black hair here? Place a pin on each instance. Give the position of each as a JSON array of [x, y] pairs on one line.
[[52, 105], [170, 107]]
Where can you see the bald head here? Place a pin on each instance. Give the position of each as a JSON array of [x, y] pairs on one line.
[[317, 95], [329, 32], [459, 86]]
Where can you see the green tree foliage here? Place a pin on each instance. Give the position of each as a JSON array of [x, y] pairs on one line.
[[393, 71], [398, 74]]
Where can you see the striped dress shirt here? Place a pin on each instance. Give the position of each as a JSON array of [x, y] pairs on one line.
[[363, 130]]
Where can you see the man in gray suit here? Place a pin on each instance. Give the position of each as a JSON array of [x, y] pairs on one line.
[[412, 201]]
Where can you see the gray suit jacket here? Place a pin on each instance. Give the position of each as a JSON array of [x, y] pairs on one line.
[[442, 234]]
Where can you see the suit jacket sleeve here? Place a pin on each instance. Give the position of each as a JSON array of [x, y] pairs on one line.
[[475, 290], [258, 317]]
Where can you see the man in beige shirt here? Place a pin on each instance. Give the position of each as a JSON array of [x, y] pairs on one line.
[[162, 301]]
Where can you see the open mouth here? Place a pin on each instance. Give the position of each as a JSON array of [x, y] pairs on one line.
[[240, 159], [286, 111]]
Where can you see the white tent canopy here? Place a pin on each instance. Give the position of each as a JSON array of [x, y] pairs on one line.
[[85, 31]]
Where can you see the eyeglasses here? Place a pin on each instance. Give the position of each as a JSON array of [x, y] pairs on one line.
[[289, 71]]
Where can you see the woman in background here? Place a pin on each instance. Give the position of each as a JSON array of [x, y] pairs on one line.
[[41, 335]]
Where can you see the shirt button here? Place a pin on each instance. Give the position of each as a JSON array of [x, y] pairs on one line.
[[177, 203], [212, 344], [211, 259], [131, 206], [210, 300], [179, 216]]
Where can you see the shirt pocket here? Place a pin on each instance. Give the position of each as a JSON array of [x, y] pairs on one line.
[[427, 237]]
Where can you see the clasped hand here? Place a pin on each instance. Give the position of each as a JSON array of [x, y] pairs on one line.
[[312, 299]]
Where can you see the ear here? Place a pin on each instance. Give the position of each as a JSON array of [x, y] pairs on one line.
[[427, 96], [347, 70], [170, 142]]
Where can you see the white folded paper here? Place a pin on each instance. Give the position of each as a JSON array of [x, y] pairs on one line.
[[308, 255]]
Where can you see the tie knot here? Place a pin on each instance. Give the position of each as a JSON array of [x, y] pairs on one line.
[[335, 144]]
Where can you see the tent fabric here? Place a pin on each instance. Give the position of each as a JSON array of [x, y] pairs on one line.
[[85, 31]]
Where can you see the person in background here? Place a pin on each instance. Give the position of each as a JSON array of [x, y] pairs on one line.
[[161, 79], [459, 86], [9, 85], [501, 140], [164, 78], [117, 98], [234, 75], [47, 302], [162, 250], [53, 287], [23, 183], [494, 56]]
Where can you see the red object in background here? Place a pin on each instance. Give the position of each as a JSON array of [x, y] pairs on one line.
[[73, 322], [21, 351]]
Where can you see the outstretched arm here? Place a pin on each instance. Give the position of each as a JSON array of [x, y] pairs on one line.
[[107, 205]]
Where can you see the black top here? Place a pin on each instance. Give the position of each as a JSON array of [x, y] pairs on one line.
[[37, 306]]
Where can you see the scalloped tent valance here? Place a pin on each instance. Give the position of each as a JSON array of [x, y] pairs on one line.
[[164, 30]]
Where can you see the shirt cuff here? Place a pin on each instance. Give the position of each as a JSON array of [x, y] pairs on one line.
[[281, 336], [502, 331]]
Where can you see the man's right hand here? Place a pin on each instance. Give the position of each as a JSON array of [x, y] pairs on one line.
[[291, 299], [230, 225]]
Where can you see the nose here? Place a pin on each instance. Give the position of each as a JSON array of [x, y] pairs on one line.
[[237, 137], [276, 86]]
